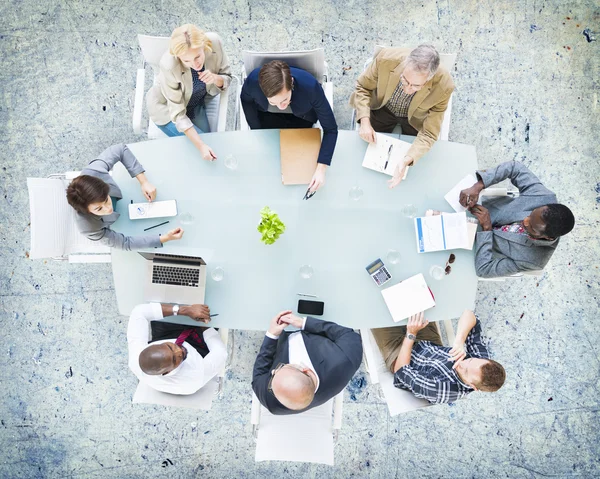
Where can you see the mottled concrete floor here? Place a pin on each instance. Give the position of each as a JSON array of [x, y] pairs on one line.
[[527, 88]]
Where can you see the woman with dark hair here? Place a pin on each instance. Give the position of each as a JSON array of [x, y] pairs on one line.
[[94, 195]]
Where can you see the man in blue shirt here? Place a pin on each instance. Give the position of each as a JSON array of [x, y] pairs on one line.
[[279, 96], [421, 364]]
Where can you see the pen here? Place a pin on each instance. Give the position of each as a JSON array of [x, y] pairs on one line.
[[213, 315], [388, 157], [156, 226], [468, 199], [307, 295]]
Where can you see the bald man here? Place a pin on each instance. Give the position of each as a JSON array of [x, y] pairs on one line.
[[296, 371], [180, 358]]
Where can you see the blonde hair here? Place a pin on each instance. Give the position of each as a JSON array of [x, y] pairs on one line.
[[188, 36]]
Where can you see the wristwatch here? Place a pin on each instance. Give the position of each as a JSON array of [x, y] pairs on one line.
[[411, 336], [175, 309]]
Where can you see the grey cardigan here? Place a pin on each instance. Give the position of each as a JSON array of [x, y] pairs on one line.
[[97, 228], [498, 253]]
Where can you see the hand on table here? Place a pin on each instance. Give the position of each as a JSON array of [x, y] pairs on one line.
[[175, 234], [318, 178], [457, 353], [399, 172], [149, 190], [366, 131], [483, 216], [293, 320], [416, 322], [277, 325], [207, 153], [198, 312]]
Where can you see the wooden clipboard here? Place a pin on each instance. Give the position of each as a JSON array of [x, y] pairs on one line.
[[299, 151]]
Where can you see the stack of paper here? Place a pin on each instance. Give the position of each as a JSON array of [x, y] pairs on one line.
[[409, 297], [379, 153], [444, 232], [453, 195]]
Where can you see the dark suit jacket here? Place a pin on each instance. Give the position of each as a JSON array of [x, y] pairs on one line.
[[308, 102], [335, 352]]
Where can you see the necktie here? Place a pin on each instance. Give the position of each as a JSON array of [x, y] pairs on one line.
[[189, 333]]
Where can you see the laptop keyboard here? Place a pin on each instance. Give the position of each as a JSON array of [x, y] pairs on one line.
[[175, 276]]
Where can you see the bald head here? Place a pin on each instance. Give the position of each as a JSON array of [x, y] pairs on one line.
[[292, 388], [161, 358]]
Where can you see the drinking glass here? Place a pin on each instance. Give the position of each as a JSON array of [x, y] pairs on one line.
[[306, 271], [186, 219], [409, 210], [231, 162], [436, 272], [393, 256], [356, 193], [218, 273]]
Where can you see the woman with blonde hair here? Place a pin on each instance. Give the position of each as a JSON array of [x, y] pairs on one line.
[[194, 67]]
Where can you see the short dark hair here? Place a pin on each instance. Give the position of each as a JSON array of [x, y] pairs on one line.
[[493, 376], [559, 220], [274, 77], [85, 190]]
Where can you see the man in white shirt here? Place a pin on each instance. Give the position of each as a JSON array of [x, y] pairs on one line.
[[184, 362], [297, 371]]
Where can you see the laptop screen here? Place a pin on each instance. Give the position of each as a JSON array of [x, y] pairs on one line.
[[173, 258]]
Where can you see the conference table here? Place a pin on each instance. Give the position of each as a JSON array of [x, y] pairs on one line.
[[338, 236]]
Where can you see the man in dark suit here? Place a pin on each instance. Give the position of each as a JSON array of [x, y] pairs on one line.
[[297, 371], [279, 96]]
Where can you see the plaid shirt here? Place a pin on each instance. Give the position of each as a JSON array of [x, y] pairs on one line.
[[430, 375], [399, 102]]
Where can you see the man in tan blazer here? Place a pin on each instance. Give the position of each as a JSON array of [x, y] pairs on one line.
[[403, 87]]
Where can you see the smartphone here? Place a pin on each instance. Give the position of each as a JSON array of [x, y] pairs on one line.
[[312, 308]]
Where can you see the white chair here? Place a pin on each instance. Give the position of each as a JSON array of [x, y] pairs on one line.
[[201, 399], [54, 232], [313, 61], [398, 400], [306, 437], [153, 49], [447, 60]]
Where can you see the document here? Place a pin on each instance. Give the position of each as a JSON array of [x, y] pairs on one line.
[[453, 195], [442, 232], [408, 297], [299, 150], [387, 149]]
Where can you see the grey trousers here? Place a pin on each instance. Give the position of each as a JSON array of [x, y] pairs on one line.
[[390, 340]]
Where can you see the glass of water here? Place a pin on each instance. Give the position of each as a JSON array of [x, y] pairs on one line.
[[409, 210], [356, 193], [231, 162], [306, 271], [436, 272], [393, 256], [186, 218], [218, 273]]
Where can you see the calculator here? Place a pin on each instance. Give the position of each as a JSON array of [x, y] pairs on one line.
[[378, 272]]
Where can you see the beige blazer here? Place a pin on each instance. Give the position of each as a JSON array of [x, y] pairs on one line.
[[168, 99], [377, 83]]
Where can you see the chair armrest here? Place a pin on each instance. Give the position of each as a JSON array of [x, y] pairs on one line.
[[89, 258], [365, 336], [255, 415], [445, 130], [222, 115], [138, 101], [338, 408], [494, 192], [328, 90]]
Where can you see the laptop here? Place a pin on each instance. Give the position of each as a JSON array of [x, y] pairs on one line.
[[172, 278]]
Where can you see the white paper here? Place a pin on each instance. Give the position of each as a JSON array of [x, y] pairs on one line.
[[409, 297], [156, 209], [377, 154], [441, 232], [453, 195]]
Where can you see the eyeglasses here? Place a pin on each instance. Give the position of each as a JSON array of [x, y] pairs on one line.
[[407, 84], [448, 268], [278, 368]]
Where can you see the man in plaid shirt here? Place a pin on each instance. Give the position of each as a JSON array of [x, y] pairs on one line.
[[436, 373]]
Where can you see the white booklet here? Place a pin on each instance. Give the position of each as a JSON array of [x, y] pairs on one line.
[[379, 154], [453, 195], [408, 297], [442, 232]]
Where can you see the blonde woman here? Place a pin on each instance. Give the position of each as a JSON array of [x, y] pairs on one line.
[[195, 66]]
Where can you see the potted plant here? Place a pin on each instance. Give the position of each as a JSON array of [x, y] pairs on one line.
[[270, 226]]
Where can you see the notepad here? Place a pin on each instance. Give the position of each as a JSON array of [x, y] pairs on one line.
[[442, 232], [453, 195], [377, 154], [156, 209], [299, 151], [408, 297]]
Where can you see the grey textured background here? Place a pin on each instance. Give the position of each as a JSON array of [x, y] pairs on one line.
[[527, 88]]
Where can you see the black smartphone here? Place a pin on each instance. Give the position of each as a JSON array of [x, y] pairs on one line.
[[312, 308]]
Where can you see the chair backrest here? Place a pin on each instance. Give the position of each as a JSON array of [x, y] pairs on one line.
[[447, 60], [309, 432], [201, 399], [313, 61], [54, 231], [153, 48]]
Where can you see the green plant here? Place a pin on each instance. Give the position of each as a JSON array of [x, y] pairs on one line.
[[270, 226]]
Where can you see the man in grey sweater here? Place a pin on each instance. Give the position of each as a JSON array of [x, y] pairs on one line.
[[518, 234]]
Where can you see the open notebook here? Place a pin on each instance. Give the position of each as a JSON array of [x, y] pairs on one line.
[[444, 232], [53, 228], [378, 153]]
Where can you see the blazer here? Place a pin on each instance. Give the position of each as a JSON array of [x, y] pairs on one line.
[[335, 353], [498, 253], [97, 228], [378, 82], [308, 102], [167, 100]]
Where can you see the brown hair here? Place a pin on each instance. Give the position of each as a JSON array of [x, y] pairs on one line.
[[493, 376], [274, 77], [85, 190]]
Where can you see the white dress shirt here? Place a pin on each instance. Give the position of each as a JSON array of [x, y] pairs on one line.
[[193, 373]]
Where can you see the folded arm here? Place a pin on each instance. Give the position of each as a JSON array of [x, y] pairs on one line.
[[215, 359], [345, 338], [519, 175]]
